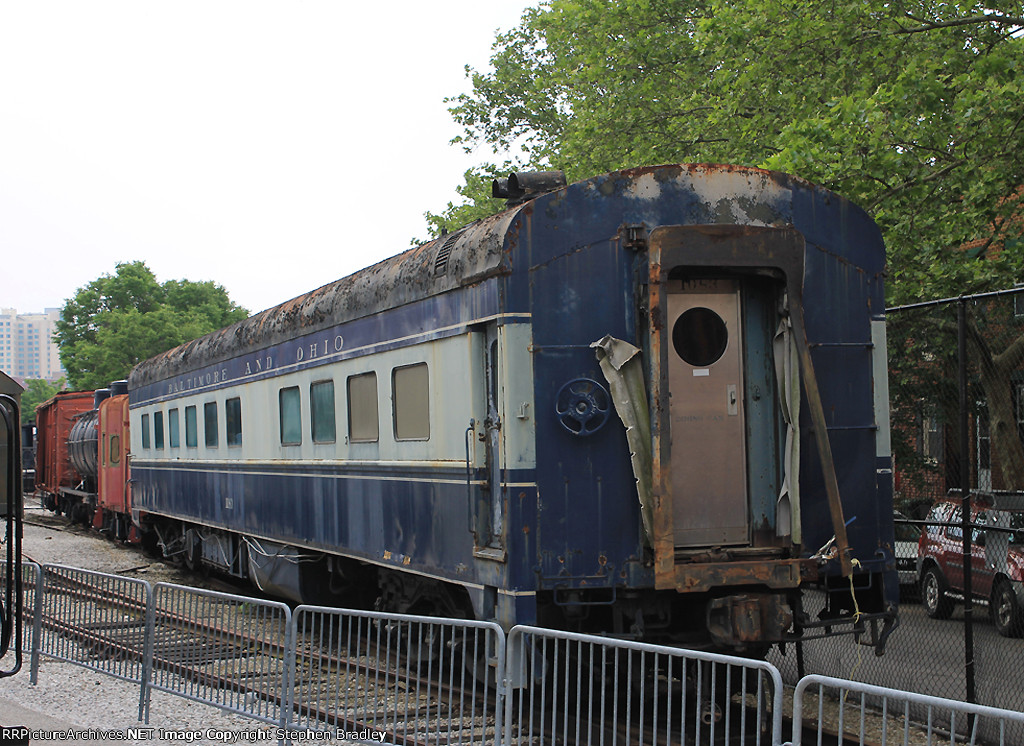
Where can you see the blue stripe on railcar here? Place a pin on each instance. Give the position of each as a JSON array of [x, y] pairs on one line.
[[410, 517]]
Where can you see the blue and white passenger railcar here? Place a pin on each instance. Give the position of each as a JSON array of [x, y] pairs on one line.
[[604, 409]]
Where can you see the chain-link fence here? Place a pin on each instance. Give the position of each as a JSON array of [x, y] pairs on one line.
[[956, 370], [956, 378]]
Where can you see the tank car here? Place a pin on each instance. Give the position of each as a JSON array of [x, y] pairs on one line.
[[652, 404]]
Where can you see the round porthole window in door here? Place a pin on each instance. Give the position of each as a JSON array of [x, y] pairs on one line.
[[699, 337]]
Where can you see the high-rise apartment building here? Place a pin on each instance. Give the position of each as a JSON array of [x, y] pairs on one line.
[[26, 344]]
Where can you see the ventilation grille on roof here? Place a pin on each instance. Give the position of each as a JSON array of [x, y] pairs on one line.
[[441, 260]]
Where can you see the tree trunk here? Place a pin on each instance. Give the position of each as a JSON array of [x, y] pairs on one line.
[[995, 371]]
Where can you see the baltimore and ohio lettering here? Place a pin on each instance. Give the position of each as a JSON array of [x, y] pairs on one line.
[[303, 352]]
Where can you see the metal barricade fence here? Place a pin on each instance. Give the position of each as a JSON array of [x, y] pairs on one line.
[[417, 679], [230, 651], [581, 689], [402, 677], [878, 715], [32, 583], [95, 620]]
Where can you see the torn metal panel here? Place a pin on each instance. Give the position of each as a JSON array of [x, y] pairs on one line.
[[787, 374], [621, 365]]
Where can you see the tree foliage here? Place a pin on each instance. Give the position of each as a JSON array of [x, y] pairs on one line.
[[477, 203], [37, 390], [914, 110], [118, 320]]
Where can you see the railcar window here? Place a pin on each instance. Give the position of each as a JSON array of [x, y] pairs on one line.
[[145, 431], [700, 337], [115, 449], [291, 416], [321, 405], [233, 415], [410, 398], [191, 439], [210, 423], [362, 408], [172, 428], [158, 430]]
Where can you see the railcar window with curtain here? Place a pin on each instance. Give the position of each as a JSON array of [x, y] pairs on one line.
[[291, 416], [158, 430], [362, 408], [172, 428], [210, 424], [233, 417], [411, 400], [145, 431], [321, 405], [191, 439]]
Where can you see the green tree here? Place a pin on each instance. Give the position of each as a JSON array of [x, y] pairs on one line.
[[477, 204], [36, 392], [118, 320], [915, 110], [912, 109]]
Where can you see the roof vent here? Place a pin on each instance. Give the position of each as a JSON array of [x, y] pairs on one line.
[[441, 260], [523, 186]]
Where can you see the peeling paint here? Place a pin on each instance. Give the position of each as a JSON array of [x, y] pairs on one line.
[[479, 251], [646, 187]]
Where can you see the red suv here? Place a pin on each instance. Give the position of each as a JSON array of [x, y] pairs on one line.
[[997, 561]]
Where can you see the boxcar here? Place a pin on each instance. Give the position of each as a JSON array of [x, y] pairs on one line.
[[59, 482]]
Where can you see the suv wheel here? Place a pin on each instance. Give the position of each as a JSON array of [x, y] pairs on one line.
[[933, 594], [1006, 613]]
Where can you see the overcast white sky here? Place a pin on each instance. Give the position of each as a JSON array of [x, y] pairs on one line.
[[271, 147]]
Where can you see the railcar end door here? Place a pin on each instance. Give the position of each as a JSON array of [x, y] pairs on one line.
[[705, 370]]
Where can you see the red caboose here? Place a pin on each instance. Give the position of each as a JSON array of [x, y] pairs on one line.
[[114, 504]]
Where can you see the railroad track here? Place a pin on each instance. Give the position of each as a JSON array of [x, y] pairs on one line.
[[231, 655]]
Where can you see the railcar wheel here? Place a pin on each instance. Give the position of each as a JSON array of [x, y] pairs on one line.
[[933, 594], [1006, 612], [193, 550]]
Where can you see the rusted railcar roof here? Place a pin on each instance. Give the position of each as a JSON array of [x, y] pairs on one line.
[[461, 258]]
